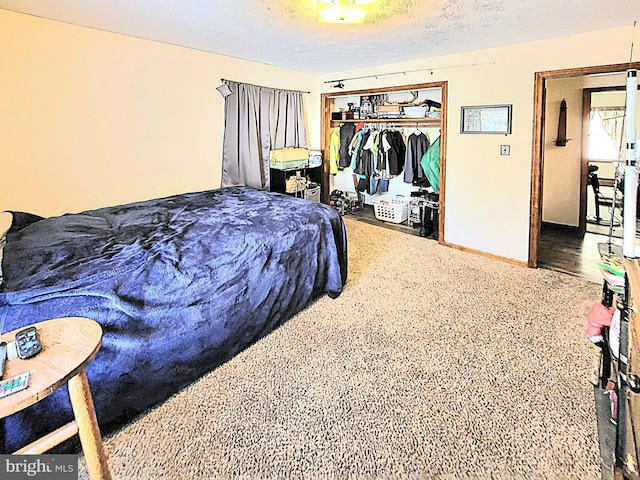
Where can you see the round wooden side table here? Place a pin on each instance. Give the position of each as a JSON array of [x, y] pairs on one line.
[[68, 345]]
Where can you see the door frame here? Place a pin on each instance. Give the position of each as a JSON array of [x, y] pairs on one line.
[[539, 90]]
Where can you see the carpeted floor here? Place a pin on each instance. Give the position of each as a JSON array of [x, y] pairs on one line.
[[434, 363]]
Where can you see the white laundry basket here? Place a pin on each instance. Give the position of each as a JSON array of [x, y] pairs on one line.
[[391, 208]]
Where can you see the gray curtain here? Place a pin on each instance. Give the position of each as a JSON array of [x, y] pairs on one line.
[[257, 120]]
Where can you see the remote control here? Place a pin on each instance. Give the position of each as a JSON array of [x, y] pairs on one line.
[[3, 357], [14, 384], [28, 343]]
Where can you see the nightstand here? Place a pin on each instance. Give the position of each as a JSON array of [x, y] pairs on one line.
[[68, 345]]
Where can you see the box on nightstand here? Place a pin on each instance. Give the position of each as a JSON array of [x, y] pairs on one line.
[[287, 158]]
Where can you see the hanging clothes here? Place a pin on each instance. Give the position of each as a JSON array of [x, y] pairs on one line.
[[362, 153], [347, 132], [355, 146], [417, 145], [430, 163], [377, 185], [360, 180], [368, 162], [334, 151], [379, 180], [396, 153], [382, 158], [375, 156], [388, 162]]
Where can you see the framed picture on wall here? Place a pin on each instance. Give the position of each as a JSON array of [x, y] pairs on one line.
[[486, 119]]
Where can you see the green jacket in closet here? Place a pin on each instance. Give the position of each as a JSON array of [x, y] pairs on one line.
[[430, 163]]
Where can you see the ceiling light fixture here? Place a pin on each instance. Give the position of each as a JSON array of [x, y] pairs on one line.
[[342, 11]]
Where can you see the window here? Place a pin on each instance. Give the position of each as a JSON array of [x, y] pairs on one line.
[[605, 134]]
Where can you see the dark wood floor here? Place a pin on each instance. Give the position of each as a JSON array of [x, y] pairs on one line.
[[563, 249]]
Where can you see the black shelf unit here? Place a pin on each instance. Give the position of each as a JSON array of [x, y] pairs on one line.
[[279, 178]]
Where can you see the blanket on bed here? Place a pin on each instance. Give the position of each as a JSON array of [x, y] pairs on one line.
[[179, 286]]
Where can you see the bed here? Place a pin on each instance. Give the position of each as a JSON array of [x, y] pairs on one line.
[[179, 285]]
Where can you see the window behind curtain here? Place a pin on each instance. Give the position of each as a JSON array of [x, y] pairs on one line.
[[257, 120], [605, 134]]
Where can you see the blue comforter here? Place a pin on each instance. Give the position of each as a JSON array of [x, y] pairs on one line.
[[179, 286]]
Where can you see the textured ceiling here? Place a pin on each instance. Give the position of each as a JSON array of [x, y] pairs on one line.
[[285, 32]]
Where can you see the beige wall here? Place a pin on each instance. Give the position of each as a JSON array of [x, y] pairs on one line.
[[91, 118], [488, 195], [562, 165]]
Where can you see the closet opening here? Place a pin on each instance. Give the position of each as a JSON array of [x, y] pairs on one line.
[[384, 156]]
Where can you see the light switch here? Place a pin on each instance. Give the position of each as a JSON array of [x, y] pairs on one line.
[[505, 149]]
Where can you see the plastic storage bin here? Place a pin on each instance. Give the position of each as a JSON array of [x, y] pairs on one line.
[[414, 112], [391, 208], [312, 193]]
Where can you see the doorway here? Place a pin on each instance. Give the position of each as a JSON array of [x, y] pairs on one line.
[[541, 117], [604, 146]]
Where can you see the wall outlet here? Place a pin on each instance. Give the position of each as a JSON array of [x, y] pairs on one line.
[[505, 149]]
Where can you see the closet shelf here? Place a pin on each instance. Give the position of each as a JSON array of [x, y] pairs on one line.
[[410, 121]]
